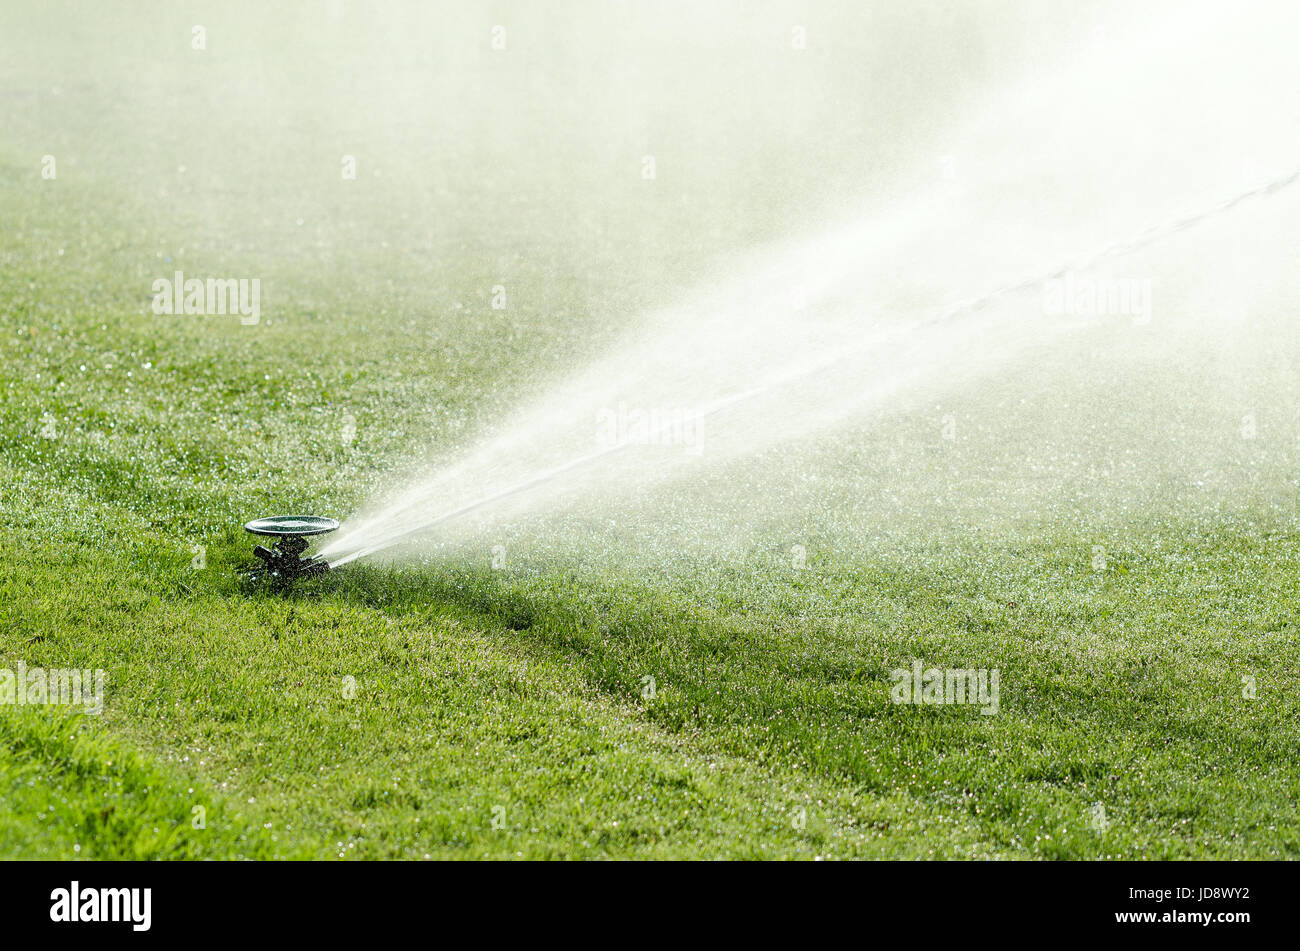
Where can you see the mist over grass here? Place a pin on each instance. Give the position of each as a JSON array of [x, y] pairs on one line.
[[1029, 241], [1102, 508]]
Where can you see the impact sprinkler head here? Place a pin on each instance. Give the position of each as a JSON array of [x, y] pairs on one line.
[[284, 561]]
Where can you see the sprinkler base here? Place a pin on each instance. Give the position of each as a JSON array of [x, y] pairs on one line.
[[283, 560]]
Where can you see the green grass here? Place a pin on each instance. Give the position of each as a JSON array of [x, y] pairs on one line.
[[516, 695], [443, 709], [72, 793]]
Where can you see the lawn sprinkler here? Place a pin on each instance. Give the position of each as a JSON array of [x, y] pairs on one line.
[[284, 561]]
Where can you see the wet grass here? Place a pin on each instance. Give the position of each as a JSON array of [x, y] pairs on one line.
[[665, 680]]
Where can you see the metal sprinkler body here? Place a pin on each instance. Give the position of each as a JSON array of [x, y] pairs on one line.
[[283, 561]]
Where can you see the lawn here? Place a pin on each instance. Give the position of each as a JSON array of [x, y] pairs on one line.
[[667, 679]]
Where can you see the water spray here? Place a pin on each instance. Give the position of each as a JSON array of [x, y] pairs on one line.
[[875, 343]]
